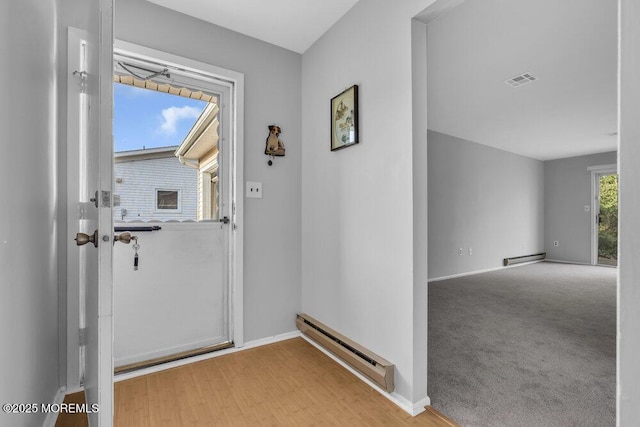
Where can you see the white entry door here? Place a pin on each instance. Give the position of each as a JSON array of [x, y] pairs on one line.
[[89, 209], [177, 300], [176, 196]]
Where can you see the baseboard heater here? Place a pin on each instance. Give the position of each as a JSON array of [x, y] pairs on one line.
[[377, 369], [524, 258]]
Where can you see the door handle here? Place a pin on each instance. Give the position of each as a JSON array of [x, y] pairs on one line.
[[125, 238], [82, 239]]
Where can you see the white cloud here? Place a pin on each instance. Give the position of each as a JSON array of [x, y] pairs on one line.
[[172, 115]]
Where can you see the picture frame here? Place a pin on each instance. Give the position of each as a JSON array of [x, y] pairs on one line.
[[344, 119]]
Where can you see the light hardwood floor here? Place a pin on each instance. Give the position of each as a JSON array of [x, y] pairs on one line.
[[286, 383], [73, 420]]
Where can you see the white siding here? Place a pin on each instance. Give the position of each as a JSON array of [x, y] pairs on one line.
[[141, 179]]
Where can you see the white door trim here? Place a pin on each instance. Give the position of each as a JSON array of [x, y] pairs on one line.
[[596, 172], [235, 81]]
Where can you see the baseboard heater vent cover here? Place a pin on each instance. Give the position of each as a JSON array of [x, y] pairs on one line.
[[524, 258], [377, 369]]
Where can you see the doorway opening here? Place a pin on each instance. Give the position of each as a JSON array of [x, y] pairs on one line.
[[604, 230], [175, 287], [470, 187]]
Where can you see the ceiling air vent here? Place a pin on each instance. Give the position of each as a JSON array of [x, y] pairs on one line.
[[520, 80]]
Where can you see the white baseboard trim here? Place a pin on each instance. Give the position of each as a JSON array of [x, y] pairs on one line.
[[52, 417], [167, 351], [169, 365], [412, 409], [270, 340], [568, 262], [487, 270]]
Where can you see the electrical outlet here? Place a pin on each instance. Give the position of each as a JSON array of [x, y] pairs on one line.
[[254, 190], [470, 251], [555, 243], [460, 251]]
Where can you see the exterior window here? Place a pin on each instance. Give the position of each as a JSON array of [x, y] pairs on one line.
[[167, 200]]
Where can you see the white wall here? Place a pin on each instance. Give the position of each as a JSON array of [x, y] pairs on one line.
[[420, 202], [481, 198], [567, 190], [28, 221], [358, 203], [629, 237]]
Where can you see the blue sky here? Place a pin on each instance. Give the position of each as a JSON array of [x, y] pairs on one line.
[[150, 119]]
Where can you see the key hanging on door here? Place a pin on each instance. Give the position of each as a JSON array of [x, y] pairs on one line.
[[135, 247]]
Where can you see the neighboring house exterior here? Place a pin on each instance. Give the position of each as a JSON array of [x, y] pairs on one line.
[[200, 150], [154, 186]]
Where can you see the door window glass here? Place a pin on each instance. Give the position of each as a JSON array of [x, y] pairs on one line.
[[165, 137]]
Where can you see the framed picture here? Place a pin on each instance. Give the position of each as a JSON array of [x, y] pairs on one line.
[[344, 119]]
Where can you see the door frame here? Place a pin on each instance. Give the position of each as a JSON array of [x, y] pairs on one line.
[[236, 236], [235, 81], [596, 172]]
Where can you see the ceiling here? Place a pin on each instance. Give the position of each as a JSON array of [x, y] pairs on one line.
[[291, 24], [570, 46]]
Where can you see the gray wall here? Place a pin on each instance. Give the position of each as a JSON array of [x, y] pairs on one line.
[[28, 221], [272, 95], [567, 190], [358, 203], [481, 198], [629, 237]]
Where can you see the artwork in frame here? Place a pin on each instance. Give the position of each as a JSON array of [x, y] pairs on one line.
[[344, 119]]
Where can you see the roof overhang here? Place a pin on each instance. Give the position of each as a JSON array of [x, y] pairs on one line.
[[203, 136], [144, 154]]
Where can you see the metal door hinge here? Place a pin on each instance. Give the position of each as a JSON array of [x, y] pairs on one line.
[[106, 199], [82, 75], [94, 199]]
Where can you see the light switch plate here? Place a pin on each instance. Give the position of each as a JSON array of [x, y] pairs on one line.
[[254, 190]]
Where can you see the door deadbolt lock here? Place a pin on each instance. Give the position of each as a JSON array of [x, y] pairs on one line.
[[82, 239]]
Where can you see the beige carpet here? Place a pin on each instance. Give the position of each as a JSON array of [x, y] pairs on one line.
[[528, 346]]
